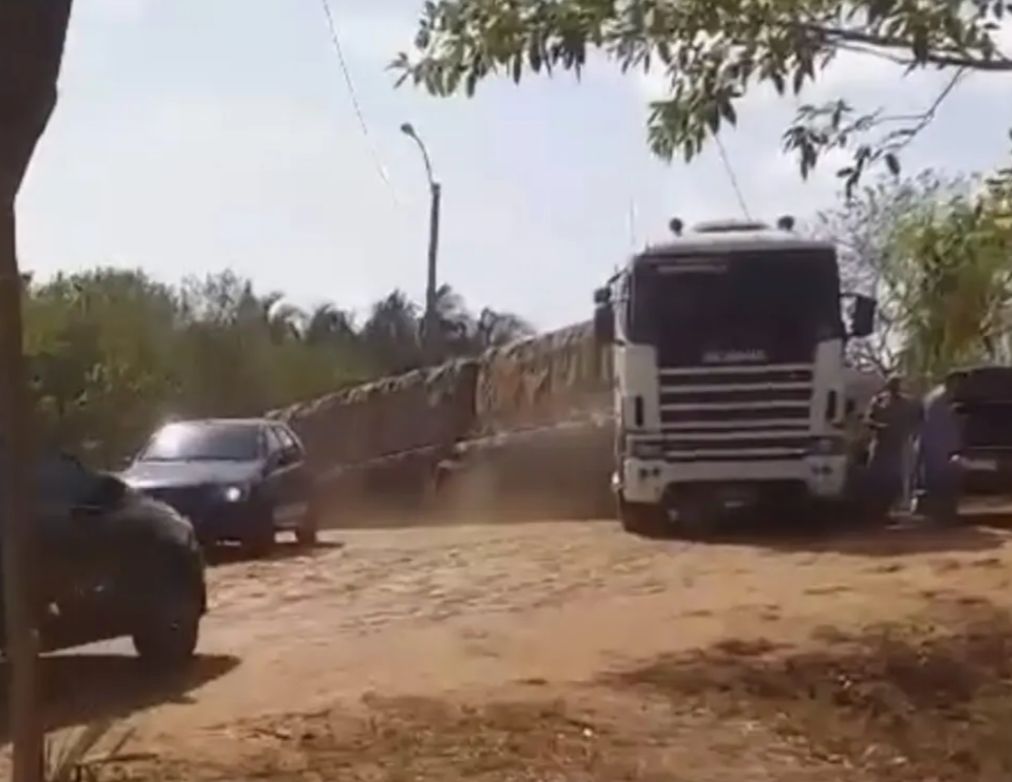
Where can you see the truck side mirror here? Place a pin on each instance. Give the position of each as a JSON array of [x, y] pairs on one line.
[[604, 324], [862, 317], [604, 317]]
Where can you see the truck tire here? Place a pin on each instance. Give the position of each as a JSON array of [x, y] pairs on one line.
[[696, 519], [639, 518], [167, 637]]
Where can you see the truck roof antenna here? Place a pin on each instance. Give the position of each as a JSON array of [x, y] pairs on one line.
[[786, 223], [676, 226]]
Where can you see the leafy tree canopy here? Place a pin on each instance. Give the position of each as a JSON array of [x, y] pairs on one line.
[[113, 352], [937, 252], [713, 52]]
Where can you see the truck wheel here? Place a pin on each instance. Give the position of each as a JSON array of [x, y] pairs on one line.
[[642, 519], [696, 519], [168, 636]]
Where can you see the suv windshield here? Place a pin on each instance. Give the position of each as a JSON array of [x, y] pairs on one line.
[[203, 442]]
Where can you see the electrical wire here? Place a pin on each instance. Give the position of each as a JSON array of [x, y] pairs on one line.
[[733, 177], [335, 38]]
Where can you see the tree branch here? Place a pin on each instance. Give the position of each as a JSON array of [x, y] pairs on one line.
[[839, 35], [925, 119]]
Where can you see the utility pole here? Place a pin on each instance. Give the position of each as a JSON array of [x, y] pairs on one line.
[[431, 338], [32, 35]]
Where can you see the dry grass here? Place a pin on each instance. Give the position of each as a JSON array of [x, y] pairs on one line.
[[911, 701], [411, 739]]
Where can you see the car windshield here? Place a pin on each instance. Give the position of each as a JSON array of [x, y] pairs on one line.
[[203, 442], [61, 479]]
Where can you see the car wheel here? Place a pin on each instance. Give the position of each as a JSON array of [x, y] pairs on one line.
[[168, 636], [259, 536], [307, 533], [259, 543]]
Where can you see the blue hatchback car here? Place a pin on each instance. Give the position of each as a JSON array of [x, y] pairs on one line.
[[239, 480]]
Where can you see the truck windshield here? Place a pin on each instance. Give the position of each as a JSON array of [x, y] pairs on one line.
[[203, 442], [768, 307]]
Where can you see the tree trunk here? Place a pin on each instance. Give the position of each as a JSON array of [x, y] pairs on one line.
[[32, 34]]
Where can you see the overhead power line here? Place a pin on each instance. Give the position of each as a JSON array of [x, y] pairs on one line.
[[335, 38], [733, 177]]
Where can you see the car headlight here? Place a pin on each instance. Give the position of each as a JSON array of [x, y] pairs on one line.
[[827, 446], [639, 450], [235, 493]]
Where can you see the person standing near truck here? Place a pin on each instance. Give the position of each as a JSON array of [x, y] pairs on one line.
[[936, 453], [893, 418]]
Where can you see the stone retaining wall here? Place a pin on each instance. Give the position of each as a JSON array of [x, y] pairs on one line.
[[420, 409], [379, 442], [560, 376]]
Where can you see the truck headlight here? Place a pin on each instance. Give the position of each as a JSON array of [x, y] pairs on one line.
[[646, 450], [827, 446]]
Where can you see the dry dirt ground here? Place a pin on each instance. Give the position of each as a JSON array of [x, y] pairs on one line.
[[572, 651]]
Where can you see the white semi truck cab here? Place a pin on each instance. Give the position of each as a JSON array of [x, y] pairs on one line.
[[731, 386]]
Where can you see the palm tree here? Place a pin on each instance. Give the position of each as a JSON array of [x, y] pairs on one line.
[[499, 328], [391, 334], [327, 324], [453, 323], [281, 320]]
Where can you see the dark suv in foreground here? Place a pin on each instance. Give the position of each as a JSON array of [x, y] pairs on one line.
[[234, 479], [112, 562]]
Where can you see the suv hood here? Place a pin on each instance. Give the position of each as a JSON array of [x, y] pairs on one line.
[[161, 475]]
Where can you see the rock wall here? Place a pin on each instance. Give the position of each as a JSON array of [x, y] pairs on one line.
[[504, 420], [555, 377], [417, 410]]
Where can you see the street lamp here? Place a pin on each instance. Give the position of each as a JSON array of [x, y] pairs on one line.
[[435, 192]]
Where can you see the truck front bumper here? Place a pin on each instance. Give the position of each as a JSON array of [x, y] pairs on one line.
[[650, 481]]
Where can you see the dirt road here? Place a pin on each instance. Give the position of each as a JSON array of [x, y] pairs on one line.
[[574, 651]]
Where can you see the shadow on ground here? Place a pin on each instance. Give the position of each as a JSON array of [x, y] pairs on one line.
[[80, 688], [227, 554], [929, 698], [898, 539], [818, 533]]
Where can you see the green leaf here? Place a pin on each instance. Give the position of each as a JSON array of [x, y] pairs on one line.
[[727, 112]]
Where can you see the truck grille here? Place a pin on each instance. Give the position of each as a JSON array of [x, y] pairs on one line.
[[735, 413]]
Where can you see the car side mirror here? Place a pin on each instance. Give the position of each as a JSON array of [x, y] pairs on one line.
[[862, 317]]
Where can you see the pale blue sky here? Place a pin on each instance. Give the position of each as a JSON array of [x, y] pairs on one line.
[[198, 134]]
